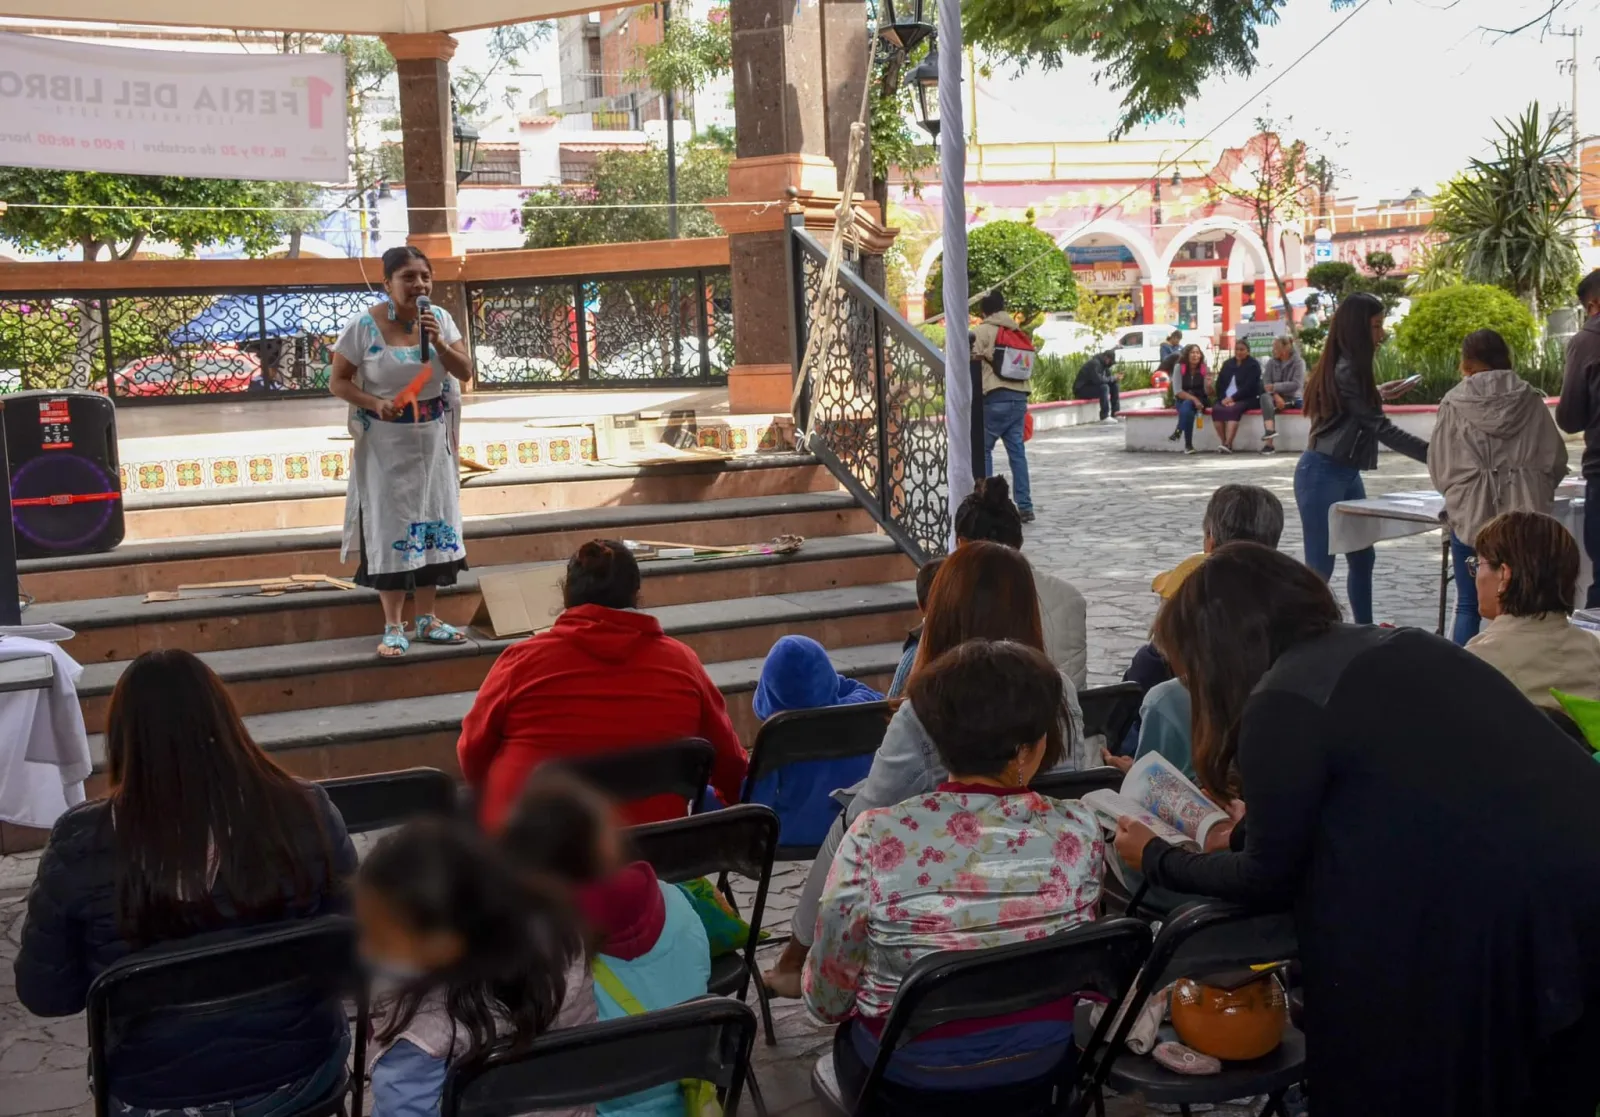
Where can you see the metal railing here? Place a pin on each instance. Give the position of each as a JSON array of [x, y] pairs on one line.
[[658, 328], [874, 408]]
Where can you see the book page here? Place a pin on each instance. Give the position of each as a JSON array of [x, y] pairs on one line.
[[1109, 807], [1157, 786]]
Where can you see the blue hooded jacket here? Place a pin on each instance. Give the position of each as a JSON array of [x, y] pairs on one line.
[[798, 675]]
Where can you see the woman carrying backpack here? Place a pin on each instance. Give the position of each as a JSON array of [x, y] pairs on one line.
[[1007, 357]]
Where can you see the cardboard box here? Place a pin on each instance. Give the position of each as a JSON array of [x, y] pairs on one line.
[[520, 602], [646, 436]]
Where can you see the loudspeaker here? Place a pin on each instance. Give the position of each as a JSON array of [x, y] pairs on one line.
[[65, 495]]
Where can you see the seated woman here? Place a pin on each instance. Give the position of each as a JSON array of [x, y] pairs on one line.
[[983, 591], [466, 955], [902, 885], [1238, 391], [604, 678], [1191, 396], [798, 675], [199, 833], [1527, 575], [651, 950]]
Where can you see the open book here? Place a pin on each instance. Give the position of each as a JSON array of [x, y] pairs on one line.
[[1155, 793]]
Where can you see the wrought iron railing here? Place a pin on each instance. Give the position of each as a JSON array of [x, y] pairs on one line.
[[667, 328], [874, 408]]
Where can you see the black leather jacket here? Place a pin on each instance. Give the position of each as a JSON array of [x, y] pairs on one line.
[[1350, 436]]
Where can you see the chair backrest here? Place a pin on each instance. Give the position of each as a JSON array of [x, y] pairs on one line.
[[1110, 710], [1075, 785], [798, 736], [678, 768], [1569, 727], [389, 798], [740, 839], [216, 976], [708, 1039]]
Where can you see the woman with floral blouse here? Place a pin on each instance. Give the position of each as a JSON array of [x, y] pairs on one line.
[[979, 862]]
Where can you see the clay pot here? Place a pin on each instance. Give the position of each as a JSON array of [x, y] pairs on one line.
[[1232, 1024]]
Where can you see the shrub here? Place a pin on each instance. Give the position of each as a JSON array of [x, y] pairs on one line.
[[934, 332], [1040, 278], [1440, 320]]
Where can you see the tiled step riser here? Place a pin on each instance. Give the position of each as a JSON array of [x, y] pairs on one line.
[[482, 499], [331, 615], [121, 581]]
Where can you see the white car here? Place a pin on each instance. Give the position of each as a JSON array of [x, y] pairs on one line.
[[1063, 337], [1141, 345]]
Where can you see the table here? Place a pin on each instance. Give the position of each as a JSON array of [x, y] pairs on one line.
[[1354, 525]]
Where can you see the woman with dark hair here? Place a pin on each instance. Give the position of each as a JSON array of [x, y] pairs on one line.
[[1432, 831], [1347, 423], [984, 591], [604, 677], [909, 879], [466, 955], [200, 832], [988, 514], [1238, 392], [1526, 568], [1190, 394], [402, 505]]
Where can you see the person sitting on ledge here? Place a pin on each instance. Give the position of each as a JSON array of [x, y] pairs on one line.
[[1238, 392], [1283, 383]]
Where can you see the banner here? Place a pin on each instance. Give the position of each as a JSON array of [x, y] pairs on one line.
[[73, 106]]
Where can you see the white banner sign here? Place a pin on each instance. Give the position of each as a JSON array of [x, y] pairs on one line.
[[78, 107]]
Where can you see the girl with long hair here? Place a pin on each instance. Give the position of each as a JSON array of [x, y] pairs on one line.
[[200, 832], [1431, 829], [1190, 394], [1347, 424]]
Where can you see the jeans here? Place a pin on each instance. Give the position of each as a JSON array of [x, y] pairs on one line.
[[1319, 484], [1467, 620], [1591, 536], [1110, 397], [1004, 412], [1187, 410], [1269, 408], [291, 1097]]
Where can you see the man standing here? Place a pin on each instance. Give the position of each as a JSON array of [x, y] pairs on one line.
[[1173, 345], [1097, 381], [1579, 410], [1005, 402], [1283, 383]]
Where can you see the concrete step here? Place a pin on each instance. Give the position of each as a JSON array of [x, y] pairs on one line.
[[164, 564], [313, 504], [119, 628]]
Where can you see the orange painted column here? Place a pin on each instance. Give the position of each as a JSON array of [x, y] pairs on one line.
[[1263, 301], [1148, 299], [1232, 305]]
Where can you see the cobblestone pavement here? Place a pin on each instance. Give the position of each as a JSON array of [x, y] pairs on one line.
[[1109, 521]]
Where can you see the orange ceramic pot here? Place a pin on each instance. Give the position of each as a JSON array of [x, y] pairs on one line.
[[1231, 1024]]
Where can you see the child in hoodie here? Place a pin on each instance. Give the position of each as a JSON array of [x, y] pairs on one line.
[[604, 678], [1495, 449], [651, 950]]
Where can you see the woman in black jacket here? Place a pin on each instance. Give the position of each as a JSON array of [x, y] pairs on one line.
[[201, 833], [1432, 830], [1347, 423], [1238, 391]]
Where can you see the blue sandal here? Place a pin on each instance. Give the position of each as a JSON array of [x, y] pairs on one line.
[[435, 631], [394, 643]]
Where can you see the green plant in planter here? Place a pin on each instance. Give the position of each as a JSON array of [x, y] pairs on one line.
[[1440, 320]]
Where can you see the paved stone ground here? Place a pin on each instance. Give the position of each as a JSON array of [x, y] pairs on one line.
[[1109, 521]]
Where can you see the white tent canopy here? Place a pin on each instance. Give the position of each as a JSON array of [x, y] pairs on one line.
[[356, 17]]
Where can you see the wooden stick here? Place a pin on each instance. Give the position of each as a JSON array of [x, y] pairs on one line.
[[657, 543], [241, 584]]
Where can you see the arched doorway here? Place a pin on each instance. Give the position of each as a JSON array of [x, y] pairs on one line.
[[1208, 264], [1110, 258]]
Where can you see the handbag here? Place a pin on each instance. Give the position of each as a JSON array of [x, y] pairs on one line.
[[699, 1098]]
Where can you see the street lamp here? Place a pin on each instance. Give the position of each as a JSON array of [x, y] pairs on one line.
[[466, 137], [924, 79], [903, 25]]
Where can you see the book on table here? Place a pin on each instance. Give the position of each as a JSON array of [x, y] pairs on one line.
[[1155, 793]]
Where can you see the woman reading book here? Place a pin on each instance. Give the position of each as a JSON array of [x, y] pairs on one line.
[[1447, 902]]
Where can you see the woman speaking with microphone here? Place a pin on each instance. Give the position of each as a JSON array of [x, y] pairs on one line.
[[402, 505]]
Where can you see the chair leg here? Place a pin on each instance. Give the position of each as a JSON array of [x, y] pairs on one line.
[[1275, 1104], [766, 1008], [754, 1087]]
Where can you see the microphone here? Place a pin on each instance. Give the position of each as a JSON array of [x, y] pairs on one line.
[[423, 307]]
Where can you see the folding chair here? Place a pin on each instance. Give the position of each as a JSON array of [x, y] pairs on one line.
[[708, 1040], [218, 979], [951, 986], [740, 839], [1110, 711], [800, 736], [386, 799], [1200, 939], [681, 769], [1075, 785]]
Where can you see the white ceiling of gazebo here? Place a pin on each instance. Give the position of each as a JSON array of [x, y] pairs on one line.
[[363, 17]]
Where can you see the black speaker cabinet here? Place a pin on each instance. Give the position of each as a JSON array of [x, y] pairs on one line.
[[65, 495]]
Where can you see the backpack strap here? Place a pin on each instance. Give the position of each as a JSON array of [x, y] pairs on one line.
[[608, 980]]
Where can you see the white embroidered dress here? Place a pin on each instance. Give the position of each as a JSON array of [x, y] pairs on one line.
[[404, 488]]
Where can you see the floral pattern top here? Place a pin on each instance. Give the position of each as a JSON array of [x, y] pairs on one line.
[[961, 868]]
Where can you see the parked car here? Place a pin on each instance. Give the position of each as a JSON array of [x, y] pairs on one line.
[[1141, 345], [217, 369], [1062, 337]]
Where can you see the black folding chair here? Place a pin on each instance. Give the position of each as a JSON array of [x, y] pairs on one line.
[[956, 985], [1075, 785], [1200, 939], [1565, 723], [681, 769], [1110, 710], [797, 736], [740, 839], [707, 1040], [386, 799], [225, 977]]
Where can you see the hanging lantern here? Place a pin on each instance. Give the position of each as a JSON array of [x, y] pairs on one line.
[[903, 25], [924, 80]]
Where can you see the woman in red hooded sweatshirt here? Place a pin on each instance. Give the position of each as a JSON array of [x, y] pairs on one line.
[[604, 678]]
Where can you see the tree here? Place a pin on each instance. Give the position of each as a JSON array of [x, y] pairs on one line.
[[1441, 320], [1512, 220], [1380, 283], [630, 179], [1104, 314], [507, 44], [1332, 276], [1020, 260], [1272, 186], [690, 54]]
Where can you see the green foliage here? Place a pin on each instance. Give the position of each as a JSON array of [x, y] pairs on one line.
[[1103, 314], [934, 332], [896, 142], [1510, 220], [1054, 377], [690, 54], [507, 44], [1042, 281], [1542, 368], [1332, 276], [1440, 320], [629, 178]]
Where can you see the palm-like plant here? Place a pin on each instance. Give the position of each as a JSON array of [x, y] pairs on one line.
[[1512, 220]]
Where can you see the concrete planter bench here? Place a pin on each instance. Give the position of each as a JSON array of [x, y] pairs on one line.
[[1062, 413]]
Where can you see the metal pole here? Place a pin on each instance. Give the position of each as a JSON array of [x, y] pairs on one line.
[[10, 587], [959, 403], [671, 102]]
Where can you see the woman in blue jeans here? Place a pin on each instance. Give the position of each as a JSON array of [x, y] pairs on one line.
[[1190, 394], [1347, 424]]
